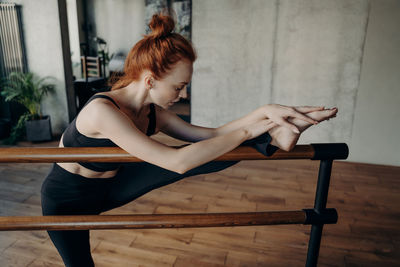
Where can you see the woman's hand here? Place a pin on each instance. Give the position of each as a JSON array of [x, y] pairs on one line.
[[279, 114], [258, 128]]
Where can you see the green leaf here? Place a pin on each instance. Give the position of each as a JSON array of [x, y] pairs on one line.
[[18, 131], [27, 89]]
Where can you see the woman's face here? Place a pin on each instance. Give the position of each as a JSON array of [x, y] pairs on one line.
[[173, 86]]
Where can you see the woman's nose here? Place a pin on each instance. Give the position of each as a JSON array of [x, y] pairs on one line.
[[183, 93]]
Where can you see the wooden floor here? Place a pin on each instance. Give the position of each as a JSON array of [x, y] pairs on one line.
[[366, 196]]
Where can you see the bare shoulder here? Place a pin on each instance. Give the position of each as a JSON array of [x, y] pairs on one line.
[[99, 110]]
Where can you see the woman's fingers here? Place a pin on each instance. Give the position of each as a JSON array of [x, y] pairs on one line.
[[280, 114], [269, 121], [289, 126], [270, 125], [303, 117], [306, 109]]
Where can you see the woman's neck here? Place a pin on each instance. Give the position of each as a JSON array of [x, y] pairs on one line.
[[132, 97]]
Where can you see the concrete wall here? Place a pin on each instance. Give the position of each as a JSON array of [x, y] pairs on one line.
[[302, 53], [232, 75], [120, 23], [376, 127], [41, 29]]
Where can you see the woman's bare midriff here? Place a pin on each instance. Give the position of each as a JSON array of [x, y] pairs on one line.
[[75, 168], [85, 172]]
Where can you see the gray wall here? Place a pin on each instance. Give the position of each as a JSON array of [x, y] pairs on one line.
[[303, 53], [376, 127], [41, 29], [120, 23]]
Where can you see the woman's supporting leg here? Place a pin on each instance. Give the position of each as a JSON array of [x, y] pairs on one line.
[[73, 245], [136, 179], [64, 193]]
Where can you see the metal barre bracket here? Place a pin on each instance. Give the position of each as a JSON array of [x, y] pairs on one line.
[[326, 216], [330, 151]]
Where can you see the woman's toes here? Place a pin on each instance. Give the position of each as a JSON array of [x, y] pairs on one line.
[[333, 113], [323, 114]]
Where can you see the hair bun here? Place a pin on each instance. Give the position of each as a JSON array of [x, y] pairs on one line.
[[161, 25]]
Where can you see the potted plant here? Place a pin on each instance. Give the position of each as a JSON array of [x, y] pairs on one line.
[[28, 89]]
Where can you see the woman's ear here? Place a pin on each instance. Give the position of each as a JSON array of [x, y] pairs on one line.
[[149, 81]]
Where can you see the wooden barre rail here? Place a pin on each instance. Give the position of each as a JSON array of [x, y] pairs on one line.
[[150, 221], [116, 154]]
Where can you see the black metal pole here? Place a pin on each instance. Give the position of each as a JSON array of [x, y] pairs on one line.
[[103, 55], [321, 197]]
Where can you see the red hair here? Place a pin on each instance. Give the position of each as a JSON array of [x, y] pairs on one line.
[[156, 52]]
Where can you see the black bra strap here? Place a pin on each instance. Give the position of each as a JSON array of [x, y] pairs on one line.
[[152, 120], [104, 96]]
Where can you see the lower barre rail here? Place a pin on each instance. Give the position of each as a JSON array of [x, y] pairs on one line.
[[149, 221], [158, 221]]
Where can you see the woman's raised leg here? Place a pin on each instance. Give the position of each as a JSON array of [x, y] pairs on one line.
[[136, 179]]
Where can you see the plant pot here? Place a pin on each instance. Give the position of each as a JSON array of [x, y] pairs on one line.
[[4, 128], [38, 130]]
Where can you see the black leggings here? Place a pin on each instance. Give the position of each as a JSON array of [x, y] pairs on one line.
[[64, 193]]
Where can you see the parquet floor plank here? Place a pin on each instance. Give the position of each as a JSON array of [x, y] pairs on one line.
[[118, 237], [183, 261], [182, 248], [43, 263], [8, 259], [135, 255]]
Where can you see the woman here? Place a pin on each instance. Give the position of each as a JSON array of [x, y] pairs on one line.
[[157, 72]]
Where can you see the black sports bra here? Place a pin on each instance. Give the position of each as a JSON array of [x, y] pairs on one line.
[[73, 138]]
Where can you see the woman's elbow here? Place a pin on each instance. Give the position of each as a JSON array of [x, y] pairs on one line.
[[180, 169], [173, 167], [178, 165]]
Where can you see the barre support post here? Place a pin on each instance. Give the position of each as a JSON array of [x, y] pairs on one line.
[[321, 197]]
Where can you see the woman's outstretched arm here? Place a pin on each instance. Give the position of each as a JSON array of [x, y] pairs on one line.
[[107, 121], [172, 125]]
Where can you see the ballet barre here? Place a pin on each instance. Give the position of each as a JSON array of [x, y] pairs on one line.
[[317, 217]]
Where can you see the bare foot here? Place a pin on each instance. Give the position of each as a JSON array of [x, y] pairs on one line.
[[286, 139]]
